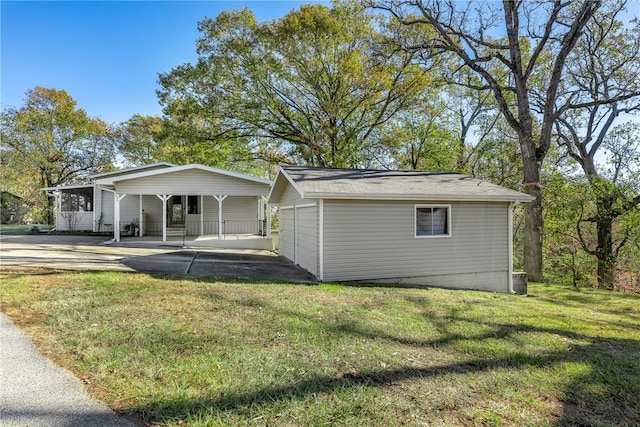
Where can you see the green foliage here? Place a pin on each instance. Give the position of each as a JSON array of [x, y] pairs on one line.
[[50, 142], [565, 259], [422, 138], [310, 88], [12, 209]]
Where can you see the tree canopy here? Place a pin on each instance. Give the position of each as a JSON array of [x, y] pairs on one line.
[[517, 52], [312, 87], [50, 142]]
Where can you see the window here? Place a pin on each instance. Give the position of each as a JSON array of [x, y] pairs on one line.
[[193, 205], [77, 200], [433, 221]]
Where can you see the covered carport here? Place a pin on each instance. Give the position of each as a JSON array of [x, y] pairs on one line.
[[192, 200]]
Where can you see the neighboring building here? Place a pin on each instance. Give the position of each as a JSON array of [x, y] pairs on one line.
[[397, 227], [166, 200], [12, 208]]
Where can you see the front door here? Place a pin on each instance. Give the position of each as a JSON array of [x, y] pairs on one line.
[[175, 211]]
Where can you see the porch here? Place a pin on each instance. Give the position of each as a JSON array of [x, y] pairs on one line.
[[183, 203], [175, 217], [228, 241]]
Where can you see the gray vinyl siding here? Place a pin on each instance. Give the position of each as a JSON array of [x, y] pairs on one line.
[[291, 197], [129, 210], [74, 221], [240, 215], [152, 207], [299, 230], [376, 240], [193, 182], [306, 239], [106, 207], [286, 234], [210, 214]]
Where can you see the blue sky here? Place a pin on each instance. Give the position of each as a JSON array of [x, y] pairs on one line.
[[106, 55]]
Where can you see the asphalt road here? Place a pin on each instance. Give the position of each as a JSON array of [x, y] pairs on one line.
[[62, 252], [34, 392]]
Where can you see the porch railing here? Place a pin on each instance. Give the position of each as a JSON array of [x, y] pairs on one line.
[[197, 228]]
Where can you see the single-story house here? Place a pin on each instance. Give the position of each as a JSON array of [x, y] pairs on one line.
[[397, 227], [166, 200]]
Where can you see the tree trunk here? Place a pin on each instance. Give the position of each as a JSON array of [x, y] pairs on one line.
[[604, 250], [533, 233], [50, 211], [532, 212]]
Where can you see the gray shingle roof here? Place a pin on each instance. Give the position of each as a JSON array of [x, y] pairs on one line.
[[395, 185]]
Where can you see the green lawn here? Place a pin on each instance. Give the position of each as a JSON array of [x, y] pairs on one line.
[[202, 353], [14, 229]]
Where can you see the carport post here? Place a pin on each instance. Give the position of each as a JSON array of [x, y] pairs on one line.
[[268, 207], [220, 199], [201, 215], [140, 219], [116, 213], [164, 199]]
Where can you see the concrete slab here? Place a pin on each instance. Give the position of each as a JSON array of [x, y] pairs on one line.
[[83, 253]]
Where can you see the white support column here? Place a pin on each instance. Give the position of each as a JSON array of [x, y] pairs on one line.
[[201, 215], [94, 227], [164, 198], [268, 220], [219, 198], [261, 200], [116, 213], [140, 219]]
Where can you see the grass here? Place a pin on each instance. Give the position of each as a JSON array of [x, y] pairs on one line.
[[18, 229], [179, 352]]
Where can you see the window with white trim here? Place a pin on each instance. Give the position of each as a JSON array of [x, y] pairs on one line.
[[76, 200], [433, 220], [193, 205]]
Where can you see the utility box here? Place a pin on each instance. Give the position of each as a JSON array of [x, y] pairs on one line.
[[520, 281]]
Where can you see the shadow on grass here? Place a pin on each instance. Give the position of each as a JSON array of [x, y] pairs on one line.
[[213, 266], [605, 395]]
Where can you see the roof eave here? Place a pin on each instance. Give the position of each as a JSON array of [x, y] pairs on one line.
[[173, 169], [66, 187], [434, 197], [283, 173]]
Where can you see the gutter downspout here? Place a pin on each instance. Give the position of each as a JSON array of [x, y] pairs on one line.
[[321, 240], [114, 208], [512, 205]]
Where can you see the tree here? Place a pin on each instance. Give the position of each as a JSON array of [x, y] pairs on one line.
[[52, 142], [421, 138], [137, 140], [313, 87], [615, 194], [604, 67], [519, 52]]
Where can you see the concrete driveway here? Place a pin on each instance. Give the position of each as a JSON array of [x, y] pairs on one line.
[[78, 253]]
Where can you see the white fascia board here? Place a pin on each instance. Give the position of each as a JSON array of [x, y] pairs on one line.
[[283, 173], [426, 197], [132, 170], [182, 168], [293, 182], [67, 187]]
